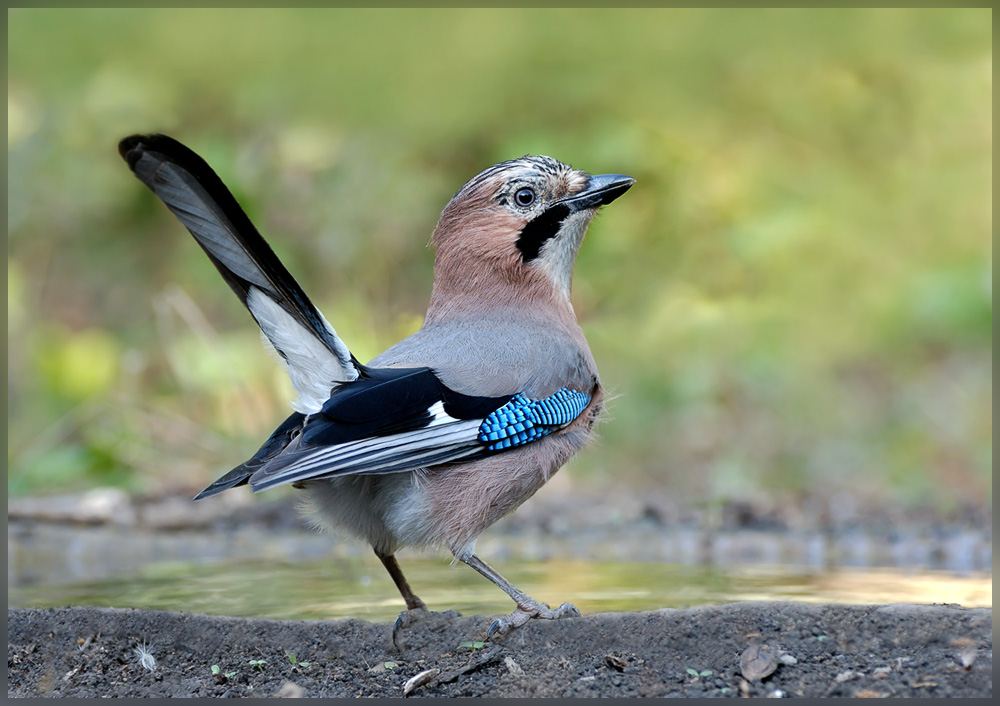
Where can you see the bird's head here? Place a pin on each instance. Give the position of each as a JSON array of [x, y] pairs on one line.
[[514, 230]]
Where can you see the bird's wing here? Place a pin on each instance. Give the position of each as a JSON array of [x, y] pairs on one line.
[[275, 444], [316, 358], [405, 419]]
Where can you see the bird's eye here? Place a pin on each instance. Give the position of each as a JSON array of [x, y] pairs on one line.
[[524, 197]]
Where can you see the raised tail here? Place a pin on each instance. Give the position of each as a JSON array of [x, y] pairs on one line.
[[316, 358]]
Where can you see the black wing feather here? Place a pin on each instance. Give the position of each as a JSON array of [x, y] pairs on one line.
[[390, 401], [275, 444], [387, 401]]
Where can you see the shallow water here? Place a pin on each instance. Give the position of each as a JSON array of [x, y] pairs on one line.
[[256, 571], [358, 587]]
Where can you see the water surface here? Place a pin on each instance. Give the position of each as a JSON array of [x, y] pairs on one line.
[[358, 587]]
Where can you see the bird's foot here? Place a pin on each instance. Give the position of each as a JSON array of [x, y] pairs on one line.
[[525, 613], [415, 615]]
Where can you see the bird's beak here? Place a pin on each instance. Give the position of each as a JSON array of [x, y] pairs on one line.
[[602, 189]]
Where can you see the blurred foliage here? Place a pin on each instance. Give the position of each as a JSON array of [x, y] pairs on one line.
[[795, 298]]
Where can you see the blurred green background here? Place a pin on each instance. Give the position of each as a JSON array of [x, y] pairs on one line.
[[795, 300]]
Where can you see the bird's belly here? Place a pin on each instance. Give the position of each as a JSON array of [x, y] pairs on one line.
[[451, 505], [360, 505]]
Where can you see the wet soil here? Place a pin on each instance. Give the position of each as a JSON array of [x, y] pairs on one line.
[[739, 649]]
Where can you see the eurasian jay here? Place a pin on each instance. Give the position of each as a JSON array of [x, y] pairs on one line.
[[453, 427]]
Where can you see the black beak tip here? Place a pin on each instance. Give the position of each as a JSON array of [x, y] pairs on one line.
[[611, 186]]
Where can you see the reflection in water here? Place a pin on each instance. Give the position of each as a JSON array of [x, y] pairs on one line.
[[307, 575], [357, 587]]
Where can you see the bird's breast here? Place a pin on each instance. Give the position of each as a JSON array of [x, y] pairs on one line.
[[500, 356]]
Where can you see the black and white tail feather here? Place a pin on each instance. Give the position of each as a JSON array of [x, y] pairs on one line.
[[349, 418], [316, 358]]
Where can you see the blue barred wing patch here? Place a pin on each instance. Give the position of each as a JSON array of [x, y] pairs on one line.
[[523, 420]]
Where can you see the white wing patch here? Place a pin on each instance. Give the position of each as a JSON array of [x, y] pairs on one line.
[[313, 369]]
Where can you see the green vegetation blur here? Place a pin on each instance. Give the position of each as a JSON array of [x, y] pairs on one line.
[[795, 300]]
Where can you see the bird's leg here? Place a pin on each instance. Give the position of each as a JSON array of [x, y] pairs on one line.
[[415, 608], [527, 607], [392, 566]]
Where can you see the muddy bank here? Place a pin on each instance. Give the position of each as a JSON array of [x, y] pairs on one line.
[[756, 649]]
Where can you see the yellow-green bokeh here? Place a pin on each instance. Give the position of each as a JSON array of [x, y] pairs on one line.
[[795, 298]]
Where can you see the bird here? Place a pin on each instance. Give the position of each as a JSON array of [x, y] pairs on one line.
[[453, 427]]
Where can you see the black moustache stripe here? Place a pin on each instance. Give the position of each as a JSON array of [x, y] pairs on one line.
[[539, 230]]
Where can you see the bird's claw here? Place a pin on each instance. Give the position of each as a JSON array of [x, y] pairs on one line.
[[405, 619], [494, 627], [415, 615], [569, 611], [522, 615], [397, 626]]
